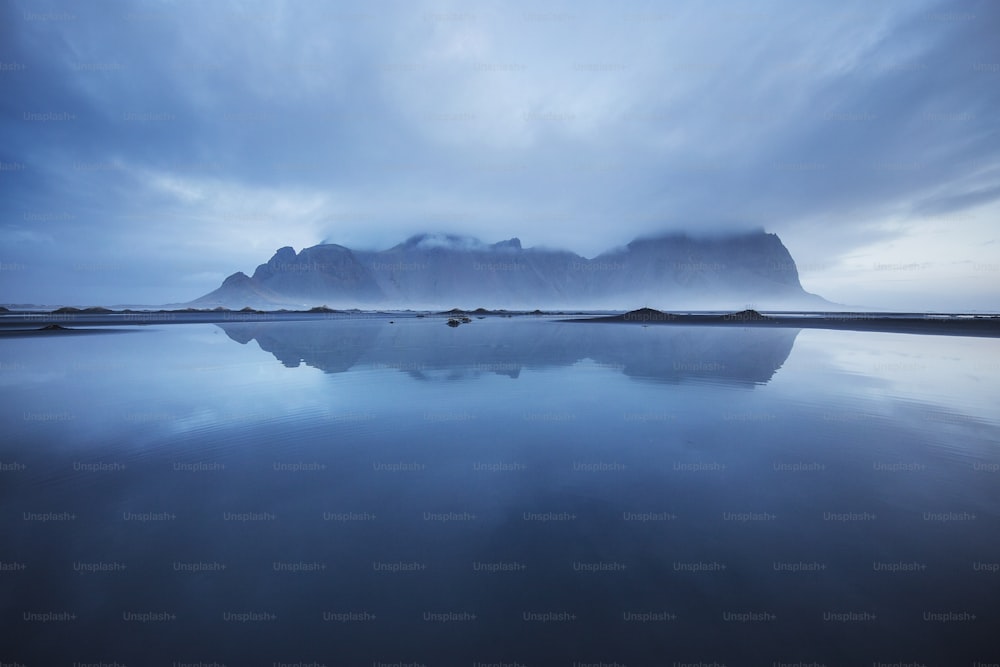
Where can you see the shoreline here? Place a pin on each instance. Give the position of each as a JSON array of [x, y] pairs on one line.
[[66, 321], [982, 326]]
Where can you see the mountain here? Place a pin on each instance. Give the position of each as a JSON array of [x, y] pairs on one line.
[[674, 271]]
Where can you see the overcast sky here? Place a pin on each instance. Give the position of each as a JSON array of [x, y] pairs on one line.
[[149, 149]]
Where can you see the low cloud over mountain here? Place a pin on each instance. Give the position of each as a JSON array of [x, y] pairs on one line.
[[444, 270]]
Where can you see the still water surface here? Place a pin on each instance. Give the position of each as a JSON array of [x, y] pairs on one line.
[[526, 491]]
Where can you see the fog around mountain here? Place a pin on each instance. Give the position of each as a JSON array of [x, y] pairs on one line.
[[675, 271]]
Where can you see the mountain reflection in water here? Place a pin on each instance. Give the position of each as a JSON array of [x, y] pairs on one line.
[[662, 354]]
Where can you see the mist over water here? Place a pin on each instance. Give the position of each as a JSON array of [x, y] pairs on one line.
[[511, 490]]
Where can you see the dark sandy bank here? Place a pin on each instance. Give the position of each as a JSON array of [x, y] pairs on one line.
[[987, 326]]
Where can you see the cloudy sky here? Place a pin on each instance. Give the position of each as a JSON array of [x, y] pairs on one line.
[[150, 148]]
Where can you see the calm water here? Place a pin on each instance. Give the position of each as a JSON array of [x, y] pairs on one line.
[[511, 491]]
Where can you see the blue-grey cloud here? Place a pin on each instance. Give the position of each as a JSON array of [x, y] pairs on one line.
[[150, 148]]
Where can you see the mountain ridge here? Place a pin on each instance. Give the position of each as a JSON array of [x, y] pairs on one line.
[[670, 270]]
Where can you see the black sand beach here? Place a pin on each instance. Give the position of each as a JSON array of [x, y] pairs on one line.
[[69, 321], [987, 326]]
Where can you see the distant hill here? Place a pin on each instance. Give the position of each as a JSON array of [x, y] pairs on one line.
[[440, 271]]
